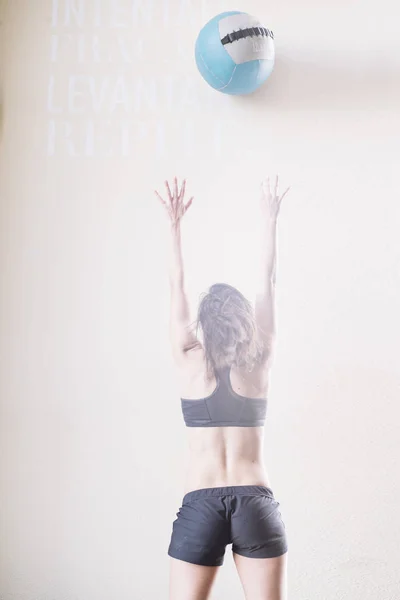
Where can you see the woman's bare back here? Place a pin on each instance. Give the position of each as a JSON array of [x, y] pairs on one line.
[[222, 456]]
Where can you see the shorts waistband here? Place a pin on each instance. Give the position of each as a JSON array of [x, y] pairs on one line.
[[233, 490]]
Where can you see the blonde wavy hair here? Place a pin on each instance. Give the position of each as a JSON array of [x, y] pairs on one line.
[[227, 322]]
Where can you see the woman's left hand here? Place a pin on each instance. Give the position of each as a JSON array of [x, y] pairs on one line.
[[175, 204]]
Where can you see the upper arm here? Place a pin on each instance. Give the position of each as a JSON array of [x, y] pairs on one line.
[[182, 336], [265, 318]]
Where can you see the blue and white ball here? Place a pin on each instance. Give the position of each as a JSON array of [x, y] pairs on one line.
[[235, 53]]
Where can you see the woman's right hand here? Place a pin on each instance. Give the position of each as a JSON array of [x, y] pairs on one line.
[[271, 200]]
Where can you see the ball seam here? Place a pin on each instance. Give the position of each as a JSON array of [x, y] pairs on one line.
[[226, 85], [216, 76]]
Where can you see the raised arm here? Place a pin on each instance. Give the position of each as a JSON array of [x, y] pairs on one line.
[[182, 338], [265, 299]]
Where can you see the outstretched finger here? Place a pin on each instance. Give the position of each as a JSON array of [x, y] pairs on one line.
[[164, 204], [266, 185], [188, 203], [283, 195], [183, 188], [160, 198], [176, 193], [168, 191], [276, 185]]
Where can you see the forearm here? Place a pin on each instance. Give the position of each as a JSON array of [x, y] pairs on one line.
[[175, 266], [268, 253], [265, 298], [179, 300]]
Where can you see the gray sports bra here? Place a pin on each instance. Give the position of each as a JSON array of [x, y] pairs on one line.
[[224, 407]]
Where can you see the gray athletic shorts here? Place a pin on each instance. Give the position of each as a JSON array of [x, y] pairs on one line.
[[246, 516]]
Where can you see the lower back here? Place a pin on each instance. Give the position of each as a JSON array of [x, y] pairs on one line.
[[225, 456]]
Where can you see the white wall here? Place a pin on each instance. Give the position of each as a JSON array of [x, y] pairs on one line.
[[92, 441]]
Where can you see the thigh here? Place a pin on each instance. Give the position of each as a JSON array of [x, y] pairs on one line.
[[190, 582], [262, 578]]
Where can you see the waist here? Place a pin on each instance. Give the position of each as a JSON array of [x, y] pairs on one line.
[[232, 490], [202, 474], [225, 456]]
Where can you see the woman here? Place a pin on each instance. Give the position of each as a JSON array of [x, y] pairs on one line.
[[224, 379]]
